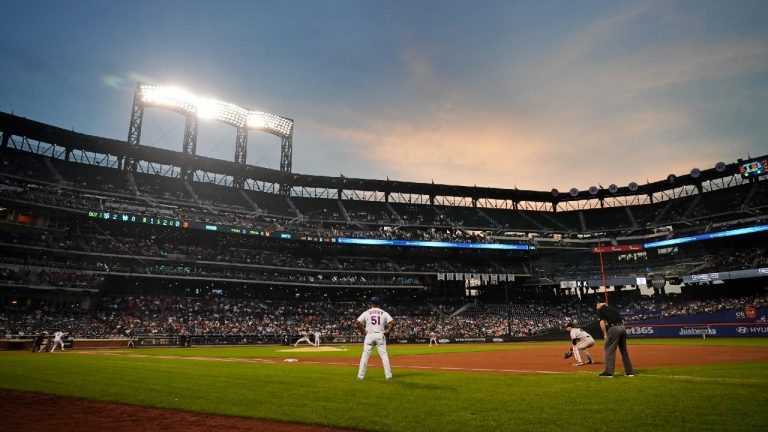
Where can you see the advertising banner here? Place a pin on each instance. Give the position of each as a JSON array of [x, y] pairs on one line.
[[746, 315], [697, 330], [619, 248]]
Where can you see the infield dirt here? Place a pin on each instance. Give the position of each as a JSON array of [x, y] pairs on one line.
[[549, 359]]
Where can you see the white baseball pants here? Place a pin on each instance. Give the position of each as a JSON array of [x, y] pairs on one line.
[[380, 342]]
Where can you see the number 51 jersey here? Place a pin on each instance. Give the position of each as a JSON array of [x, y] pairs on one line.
[[375, 320]]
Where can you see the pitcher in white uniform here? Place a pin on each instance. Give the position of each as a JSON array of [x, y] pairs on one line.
[[581, 341], [304, 338], [376, 325]]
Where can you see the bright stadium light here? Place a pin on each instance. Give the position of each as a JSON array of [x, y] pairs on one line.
[[208, 108], [270, 123], [225, 112], [168, 97], [231, 114]]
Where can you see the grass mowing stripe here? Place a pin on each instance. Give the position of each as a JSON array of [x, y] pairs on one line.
[[350, 350], [759, 342], [717, 380]]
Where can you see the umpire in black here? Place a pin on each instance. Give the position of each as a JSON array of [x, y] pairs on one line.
[[615, 336]]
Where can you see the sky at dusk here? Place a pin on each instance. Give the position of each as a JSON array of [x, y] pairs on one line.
[[527, 94]]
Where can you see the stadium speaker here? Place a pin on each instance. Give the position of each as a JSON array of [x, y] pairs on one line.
[[671, 179], [555, 193], [632, 186], [613, 188], [695, 173], [593, 190], [720, 167], [574, 192], [658, 281]]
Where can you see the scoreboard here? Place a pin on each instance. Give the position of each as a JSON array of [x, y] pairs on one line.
[[753, 168]]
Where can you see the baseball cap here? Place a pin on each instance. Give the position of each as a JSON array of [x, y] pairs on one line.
[[374, 300], [570, 324]]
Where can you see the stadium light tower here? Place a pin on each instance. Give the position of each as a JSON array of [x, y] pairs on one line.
[[279, 126], [195, 108]]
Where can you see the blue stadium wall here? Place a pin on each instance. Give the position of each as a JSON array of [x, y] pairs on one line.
[[718, 324]]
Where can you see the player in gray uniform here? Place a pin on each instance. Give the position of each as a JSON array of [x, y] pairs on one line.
[[581, 341], [376, 325], [317, 338], [131, 338], [432, 338]]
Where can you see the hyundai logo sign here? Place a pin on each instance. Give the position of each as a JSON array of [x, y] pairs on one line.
[[742, 330]]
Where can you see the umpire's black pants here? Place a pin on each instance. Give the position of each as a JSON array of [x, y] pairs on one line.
[[617, 338]]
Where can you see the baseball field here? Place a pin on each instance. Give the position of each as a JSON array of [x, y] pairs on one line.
[[690, 384]]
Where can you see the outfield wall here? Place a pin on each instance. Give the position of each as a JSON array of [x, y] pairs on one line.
[[25, 343], [734, 323]]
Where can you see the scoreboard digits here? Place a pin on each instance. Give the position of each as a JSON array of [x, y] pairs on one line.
[[753, 168]]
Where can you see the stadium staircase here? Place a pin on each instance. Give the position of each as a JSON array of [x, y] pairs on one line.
[[631, 218], [488, 218], [463, 309], [694, 270], [394, 213], [294, 208], [582, 221], [196, 198], [192, 192], [750, 195], [53, 170], [132, 183], [135, 190], [443, 219], [533, 221], [663, 212], [343, 210], [249, 201], [693, 205], [547, 217]]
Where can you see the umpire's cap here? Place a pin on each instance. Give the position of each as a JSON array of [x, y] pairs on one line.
[[375, 301]]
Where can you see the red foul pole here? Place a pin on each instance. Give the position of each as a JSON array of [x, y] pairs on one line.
[[602, 269]]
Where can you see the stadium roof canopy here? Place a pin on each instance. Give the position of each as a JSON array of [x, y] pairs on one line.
[[12, 125]]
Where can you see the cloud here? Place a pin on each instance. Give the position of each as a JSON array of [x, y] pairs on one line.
[[445, 150], [125, 81]]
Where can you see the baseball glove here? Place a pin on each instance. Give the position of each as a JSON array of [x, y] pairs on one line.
[[567, 354]]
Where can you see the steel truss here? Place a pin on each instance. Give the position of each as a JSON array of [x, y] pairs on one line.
[[189, 145]]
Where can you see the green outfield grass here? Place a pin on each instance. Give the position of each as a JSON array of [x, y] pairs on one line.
[[351, 350], [731, 397]]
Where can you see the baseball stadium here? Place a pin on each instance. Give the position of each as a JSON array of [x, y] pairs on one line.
[[175, 261], [148, 288]]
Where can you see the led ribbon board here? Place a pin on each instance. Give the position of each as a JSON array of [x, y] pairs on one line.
[[433, 244], [184, 224], [720, 234]]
